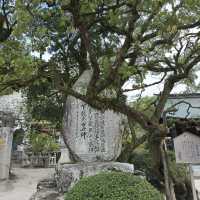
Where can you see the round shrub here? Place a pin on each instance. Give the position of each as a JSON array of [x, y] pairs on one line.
[[113, 186]]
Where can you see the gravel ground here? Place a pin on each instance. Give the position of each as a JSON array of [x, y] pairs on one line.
[[23, 184]]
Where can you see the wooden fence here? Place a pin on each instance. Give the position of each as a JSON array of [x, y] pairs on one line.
[[44, 159]]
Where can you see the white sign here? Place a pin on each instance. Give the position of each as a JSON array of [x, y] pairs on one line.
[[187, 148]]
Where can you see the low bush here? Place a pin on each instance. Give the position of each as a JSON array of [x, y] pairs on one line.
[[113, 186]]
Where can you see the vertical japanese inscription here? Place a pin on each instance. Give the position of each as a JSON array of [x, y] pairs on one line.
[[90, 128], [187, 148], [102, 132], [90, 131], [96, 131], [83, 130], [91, 134], [77, 116]]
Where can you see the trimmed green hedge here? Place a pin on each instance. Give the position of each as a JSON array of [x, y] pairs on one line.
[[113, 186]]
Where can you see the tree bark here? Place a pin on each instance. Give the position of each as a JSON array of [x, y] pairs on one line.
[[157, 159], [169, 185]]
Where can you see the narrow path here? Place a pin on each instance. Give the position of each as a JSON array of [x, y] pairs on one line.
[[23, 185]]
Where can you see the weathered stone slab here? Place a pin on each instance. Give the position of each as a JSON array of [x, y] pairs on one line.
[[69, 174], [6, 137], [187, 148], [91, 134]]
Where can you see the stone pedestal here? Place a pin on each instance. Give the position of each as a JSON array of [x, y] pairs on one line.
[[69, 174], [64, 158], [6, 136]]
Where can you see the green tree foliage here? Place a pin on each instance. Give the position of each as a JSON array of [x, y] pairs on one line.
[[7, 19], [42, 143], [133, 135], [142, 160], [119, 40], [113, 186], [18, 137], [44, 103]]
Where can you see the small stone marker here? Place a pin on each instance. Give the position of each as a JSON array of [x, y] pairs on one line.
[[187, 148], [6, 136]]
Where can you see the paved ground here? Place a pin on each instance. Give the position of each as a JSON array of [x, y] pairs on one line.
[[23, 185]]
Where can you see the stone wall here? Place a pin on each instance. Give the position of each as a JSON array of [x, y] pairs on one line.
[[12, 103]]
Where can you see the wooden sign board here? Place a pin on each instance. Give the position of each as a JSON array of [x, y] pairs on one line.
[[187, 148]]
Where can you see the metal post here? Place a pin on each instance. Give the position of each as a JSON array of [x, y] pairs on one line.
[[193, 184]]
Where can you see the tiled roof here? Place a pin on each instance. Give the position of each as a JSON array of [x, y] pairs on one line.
[[185, 95]]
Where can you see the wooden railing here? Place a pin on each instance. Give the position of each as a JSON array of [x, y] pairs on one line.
[[44, 159]]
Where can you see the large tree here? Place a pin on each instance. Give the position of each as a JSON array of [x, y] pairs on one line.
[[119, 40]]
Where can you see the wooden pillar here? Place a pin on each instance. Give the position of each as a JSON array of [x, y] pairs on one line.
[[193, 184]]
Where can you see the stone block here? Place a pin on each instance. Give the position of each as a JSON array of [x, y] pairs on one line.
[[69, 174]]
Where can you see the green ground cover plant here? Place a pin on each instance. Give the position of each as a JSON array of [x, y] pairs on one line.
[[113, 186]]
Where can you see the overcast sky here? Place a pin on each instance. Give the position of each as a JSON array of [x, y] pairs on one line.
[[156, 89]]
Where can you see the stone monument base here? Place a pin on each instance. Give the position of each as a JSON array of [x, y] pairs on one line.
[[69, 174]]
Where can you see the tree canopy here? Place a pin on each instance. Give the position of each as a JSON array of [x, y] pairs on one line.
[[118, 40], [55, 41]]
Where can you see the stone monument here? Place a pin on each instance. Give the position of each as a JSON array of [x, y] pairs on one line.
[[6, 135], [7, 121], [93, 136], [187, 148]]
